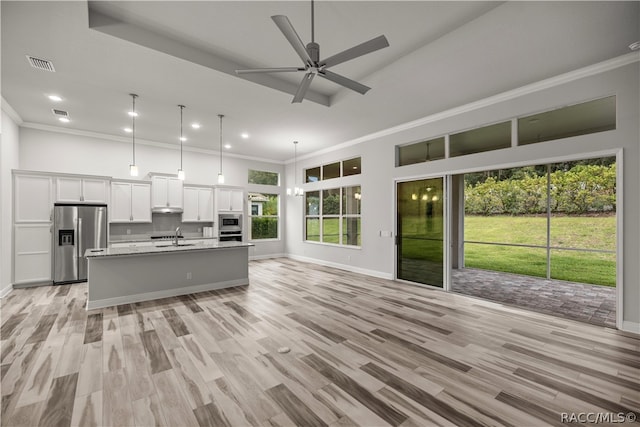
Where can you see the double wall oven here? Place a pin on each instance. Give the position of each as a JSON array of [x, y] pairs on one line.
[[229, 227]]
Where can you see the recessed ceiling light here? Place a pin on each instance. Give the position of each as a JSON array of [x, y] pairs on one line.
[[64, 119], [355, 167], [244, 135], [183, 138], [227, 146], [128, 130], [55, 98], [132, 113], [195, 125]]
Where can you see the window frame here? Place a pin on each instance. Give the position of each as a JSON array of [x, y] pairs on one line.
[[341, 216], [277, 217]]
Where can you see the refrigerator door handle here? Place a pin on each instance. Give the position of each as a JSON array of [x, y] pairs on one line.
[[79, 245]]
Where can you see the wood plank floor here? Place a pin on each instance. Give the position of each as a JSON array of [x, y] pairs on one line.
[[363, 351]]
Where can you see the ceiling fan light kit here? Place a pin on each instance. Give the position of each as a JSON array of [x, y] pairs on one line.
[[310, 55]]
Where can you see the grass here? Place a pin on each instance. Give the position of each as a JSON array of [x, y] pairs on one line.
[[424, 242], [566, 231]]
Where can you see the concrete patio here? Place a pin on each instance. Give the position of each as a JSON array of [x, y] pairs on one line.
[[586, 303]]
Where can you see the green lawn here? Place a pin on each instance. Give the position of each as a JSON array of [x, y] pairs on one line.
[[576, 232]]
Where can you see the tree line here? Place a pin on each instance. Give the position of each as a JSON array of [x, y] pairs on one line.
[[584, 187]]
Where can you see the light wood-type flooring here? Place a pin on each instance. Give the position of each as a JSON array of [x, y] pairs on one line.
[[363, 351]]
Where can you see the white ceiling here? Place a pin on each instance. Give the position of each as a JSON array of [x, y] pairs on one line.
[[441, 55]]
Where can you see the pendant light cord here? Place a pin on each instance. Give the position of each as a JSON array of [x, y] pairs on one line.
[[133, 126], [221, 116], [181, 108]]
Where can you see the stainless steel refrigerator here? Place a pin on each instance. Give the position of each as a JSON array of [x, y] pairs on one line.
[[76, 229]]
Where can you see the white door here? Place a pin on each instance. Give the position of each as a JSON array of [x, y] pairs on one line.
[[32, 253], [141, 202], [205, 204], [224, 199], [237, 200], [94, 190], [159, 187], [191, 211], [175, 192], [68, 189], [33, 198], [120, 207]]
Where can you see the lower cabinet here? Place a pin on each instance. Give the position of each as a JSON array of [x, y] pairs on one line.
[[32, 253]]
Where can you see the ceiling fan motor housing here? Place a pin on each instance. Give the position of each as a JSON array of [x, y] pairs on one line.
[[313, 49]]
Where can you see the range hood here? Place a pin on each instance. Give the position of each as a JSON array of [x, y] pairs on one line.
[[165, 210]]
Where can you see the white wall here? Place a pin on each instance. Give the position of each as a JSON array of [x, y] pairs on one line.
[[51, 151], [379, 174], [9, 137]]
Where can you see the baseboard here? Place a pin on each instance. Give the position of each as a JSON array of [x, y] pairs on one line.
[[6, 290], [268, 256], [147, 296], [365, 271], [633, 327]]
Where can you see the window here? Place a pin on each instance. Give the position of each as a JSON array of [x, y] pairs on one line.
[[581, 119], [420, 152], [334, 170], [334, 216], [351, 167], [264, 216], [331, 170], [312, 174], [487, 138], [263, 177]]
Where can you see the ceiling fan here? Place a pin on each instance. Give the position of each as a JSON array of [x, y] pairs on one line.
[[310, 56]]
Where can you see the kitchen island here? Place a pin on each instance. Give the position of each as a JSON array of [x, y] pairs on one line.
[[133, 274]]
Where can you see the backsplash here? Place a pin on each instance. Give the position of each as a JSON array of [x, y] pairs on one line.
[[160, 223]]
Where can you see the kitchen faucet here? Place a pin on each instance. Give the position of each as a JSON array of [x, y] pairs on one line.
[[175, 243]]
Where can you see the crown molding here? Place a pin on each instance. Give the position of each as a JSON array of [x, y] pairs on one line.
[[591, 70], [7, 108], [122, 139]]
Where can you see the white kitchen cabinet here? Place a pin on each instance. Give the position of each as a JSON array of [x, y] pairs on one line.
[[33, 195], [166, 192], [32, 253], [198, 204], [130, 202], [230, 200], [85, 190]]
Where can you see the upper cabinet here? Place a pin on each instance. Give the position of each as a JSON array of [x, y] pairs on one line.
[[166, 192], [84, 190], [130, 202], [230, 199], [33, 195], [198, 204]]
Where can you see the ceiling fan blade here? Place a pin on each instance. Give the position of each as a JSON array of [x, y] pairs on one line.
[[270, 70], [343, 81], [294, 39], [302, 89], [356, 51]]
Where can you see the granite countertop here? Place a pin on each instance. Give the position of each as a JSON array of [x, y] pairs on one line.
[[168, 248], [147, 238]]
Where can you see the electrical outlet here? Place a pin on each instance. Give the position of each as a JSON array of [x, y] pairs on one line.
[[189, 276]]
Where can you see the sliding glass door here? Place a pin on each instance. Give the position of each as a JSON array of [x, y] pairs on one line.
[[420, 231]]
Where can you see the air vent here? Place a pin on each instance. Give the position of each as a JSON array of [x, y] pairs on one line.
[[41, 64], [60, 113]]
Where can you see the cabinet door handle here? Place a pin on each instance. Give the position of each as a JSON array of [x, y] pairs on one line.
[[82, 198], [167, 204]]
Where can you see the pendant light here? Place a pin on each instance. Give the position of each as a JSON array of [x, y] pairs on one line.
[[220, 175], [181, 171], [297, 191], [133, 168]]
